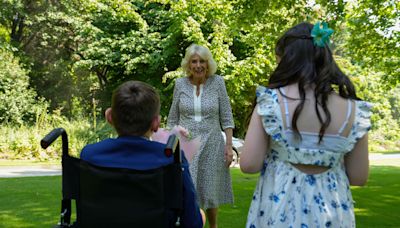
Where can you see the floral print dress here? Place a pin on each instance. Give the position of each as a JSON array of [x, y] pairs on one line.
[[286, 197]]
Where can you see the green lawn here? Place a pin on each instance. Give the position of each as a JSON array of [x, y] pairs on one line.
[[35, 201]]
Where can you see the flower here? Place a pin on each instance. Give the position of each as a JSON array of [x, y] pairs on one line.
[[321, 35]]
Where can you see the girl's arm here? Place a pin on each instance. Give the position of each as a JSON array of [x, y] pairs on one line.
[[255, 147], [357, 163]]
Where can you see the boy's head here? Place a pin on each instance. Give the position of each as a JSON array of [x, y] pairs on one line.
[[135, 108]]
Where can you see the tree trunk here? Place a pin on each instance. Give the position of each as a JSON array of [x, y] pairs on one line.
[[17, 28]]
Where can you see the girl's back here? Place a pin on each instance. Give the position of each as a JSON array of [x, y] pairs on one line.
[[304, 180], [342, 117], [341, 111]]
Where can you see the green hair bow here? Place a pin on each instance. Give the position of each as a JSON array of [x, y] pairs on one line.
[[321, 35]]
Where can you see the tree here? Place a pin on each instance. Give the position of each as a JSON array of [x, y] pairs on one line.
[[18, 102], [86, 48], [40, 34], [373, 37]]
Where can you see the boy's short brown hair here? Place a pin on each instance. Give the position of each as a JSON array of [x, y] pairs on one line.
[[134, 105]]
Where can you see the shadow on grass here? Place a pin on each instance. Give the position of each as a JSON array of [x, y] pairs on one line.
[[376, 204], [243, 186], [30, 201], [35, 201]]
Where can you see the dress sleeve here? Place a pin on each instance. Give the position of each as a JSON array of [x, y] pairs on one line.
[[225, 110], [173, 116], [362, 123], [268, 109]]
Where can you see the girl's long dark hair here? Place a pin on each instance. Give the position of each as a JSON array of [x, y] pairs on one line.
[[306, 64]]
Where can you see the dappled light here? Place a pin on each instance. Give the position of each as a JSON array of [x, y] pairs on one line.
[[35, 201], [376, 202], [30, 201]]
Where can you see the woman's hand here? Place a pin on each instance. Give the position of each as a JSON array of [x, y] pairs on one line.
[[177, 129], [228, 155]]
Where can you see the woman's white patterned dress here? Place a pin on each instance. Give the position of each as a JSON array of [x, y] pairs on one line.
[[286, 197], [205, 115]]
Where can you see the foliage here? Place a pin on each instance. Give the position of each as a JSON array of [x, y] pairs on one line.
[[255, 50], [38, 31], [17, 100], [86, 48], [123, 40], [23, 142], [394, 98], [373, 40], [384, 134]]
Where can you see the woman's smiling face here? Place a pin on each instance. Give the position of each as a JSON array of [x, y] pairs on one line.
[[198, 67]]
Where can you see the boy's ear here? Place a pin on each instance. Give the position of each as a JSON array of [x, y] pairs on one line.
[[109, 116], [155, 124]]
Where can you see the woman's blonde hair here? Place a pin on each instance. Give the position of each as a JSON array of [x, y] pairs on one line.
[[204, 53]]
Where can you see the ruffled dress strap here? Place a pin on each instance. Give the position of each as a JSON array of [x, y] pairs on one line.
[[269, 110], [362, 123]]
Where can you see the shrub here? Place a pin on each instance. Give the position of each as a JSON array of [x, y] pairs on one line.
[[17, 100]]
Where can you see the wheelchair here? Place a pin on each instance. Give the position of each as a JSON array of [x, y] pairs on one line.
[[118, 197]]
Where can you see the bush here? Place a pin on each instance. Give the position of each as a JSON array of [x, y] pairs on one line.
[[17, 100], [23, 142]]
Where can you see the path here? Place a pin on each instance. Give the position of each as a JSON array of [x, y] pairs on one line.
[[53, 170]]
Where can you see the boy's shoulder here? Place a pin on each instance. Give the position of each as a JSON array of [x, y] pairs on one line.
[[126, 152], [130, 142]]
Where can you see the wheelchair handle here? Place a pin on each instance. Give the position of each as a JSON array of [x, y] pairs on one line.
[[52, 136], [173, 148]]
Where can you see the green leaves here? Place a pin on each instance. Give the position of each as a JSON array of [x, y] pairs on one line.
[[17, 100], [87, 47], [374, 38]]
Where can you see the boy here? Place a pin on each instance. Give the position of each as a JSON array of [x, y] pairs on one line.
[[134, 114]]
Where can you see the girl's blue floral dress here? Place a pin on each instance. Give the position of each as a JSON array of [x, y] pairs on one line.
[[286, 197]]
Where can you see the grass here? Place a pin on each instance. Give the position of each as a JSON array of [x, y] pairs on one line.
[[35, 201], [29, 201], [377, 204]]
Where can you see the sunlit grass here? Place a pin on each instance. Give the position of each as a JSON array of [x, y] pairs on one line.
[[35, 201], [29, 201]]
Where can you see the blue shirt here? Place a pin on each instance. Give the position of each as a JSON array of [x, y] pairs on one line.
[[138, 153]]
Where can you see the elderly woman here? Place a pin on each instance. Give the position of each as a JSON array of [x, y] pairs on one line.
[[201, 105]]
